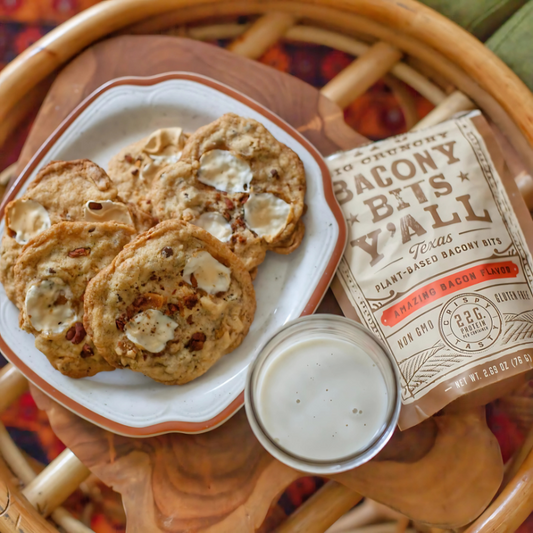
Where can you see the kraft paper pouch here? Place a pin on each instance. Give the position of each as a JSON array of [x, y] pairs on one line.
[[438, 261]]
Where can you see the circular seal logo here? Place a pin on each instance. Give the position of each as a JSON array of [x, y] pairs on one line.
[[470, 323]]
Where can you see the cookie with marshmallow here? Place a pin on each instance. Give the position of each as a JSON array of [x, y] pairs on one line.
[[51, 277], [134, 168], [62, 191], [171, 304], [239, 183]]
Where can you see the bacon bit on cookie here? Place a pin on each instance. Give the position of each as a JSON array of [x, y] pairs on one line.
[[235, 238], [274, 173], [51, 270], [86, 351], [79, 252], [146, 301], [167, 251], [238, 223], [134, 171], [128, 159], [120, 322], [229, 203], [76, 333], [190, 301], [244, 198], [61, 300], [95, 206], [194, 283], [189, 320], [196, 342], [11, 233], [70, 333], [227, 215], [172, 309]]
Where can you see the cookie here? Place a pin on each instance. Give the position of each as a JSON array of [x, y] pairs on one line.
[[62, 191], [51, 277], [134, 167], [171, 304], [235, 180], [9, 252]]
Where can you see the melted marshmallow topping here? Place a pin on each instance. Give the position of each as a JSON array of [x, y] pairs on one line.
[[215, 224], [107, 211], [225, 172], [165, 141], [162, 160], [266, 214], [163, 147], [48, 306], [151, 330], [150, 170], [211, 275], [27, 219]]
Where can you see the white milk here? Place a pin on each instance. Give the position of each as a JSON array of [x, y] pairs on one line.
[[322, 399]]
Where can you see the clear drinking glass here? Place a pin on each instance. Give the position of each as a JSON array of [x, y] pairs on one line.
[[322, 327]]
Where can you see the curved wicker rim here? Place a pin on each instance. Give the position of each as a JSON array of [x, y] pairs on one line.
[[312, 304], [409, 20]]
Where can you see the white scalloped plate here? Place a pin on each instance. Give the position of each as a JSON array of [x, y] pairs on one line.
[[125, 402]]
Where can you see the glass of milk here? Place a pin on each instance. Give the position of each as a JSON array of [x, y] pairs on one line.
[[323, 395]]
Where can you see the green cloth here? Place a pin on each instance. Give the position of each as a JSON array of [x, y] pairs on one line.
[[506, 26], [513, 43], [480, 17]]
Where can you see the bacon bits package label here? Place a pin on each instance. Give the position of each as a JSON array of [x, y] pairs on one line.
[[438, 261]]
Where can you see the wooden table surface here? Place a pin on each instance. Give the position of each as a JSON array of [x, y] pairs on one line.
[[444, 471]]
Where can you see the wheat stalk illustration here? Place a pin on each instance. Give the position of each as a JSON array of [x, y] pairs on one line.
[[423, 367], [518, 327]]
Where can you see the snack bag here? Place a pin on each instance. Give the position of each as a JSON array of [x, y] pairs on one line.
[[438, 261]]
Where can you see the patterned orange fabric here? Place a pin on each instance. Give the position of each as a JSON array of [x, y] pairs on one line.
[[376, 114], [42, 11]]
